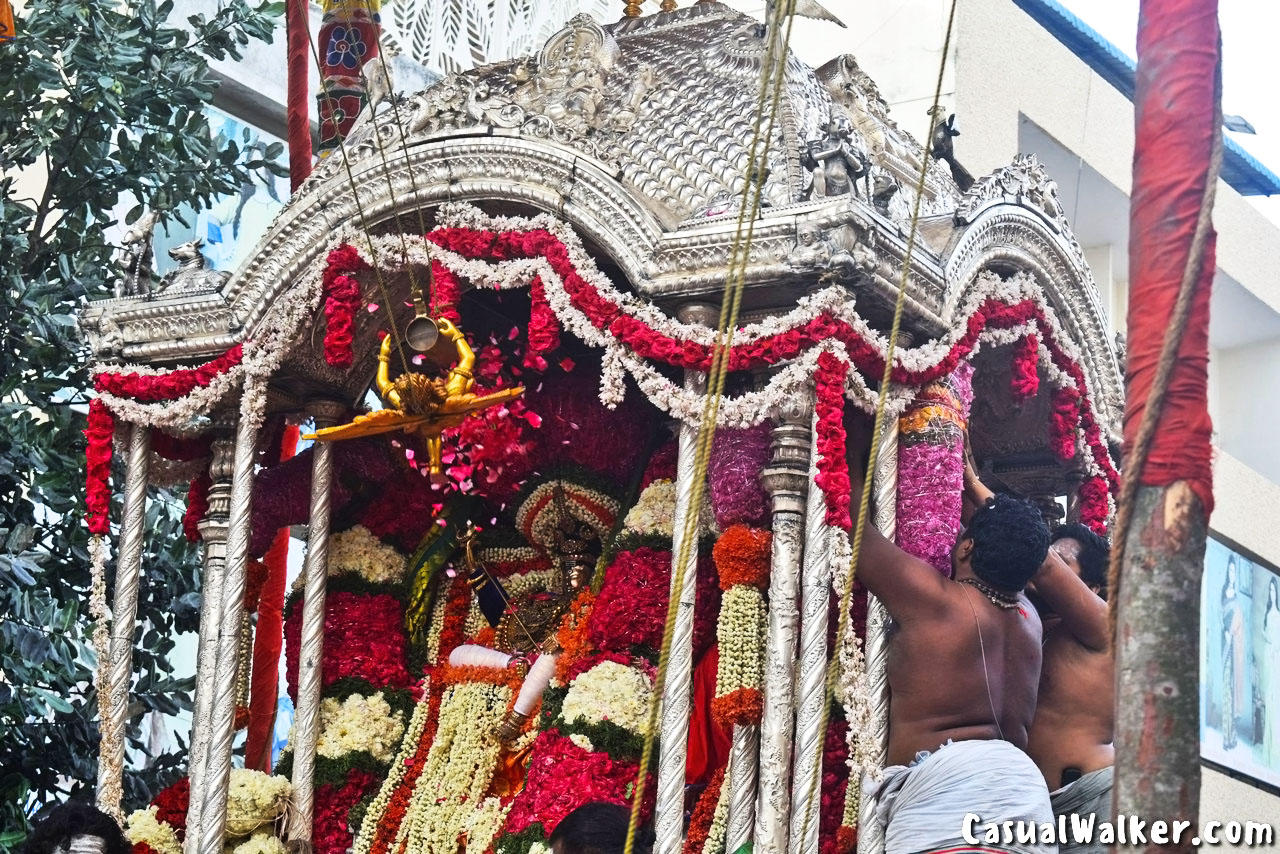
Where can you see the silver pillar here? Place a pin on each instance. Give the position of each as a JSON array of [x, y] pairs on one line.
[[786, 478], [815, 601], [124, 618], [217, 773], [743, 782], [213, 533], [306, 725], [677, 687]]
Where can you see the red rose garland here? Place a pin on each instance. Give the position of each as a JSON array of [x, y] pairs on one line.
[[544, 329], [341, 301], [833, 468], [350, 648], [632, 605], [704, 814], [100, 432], [197, 507], [170, 386], [171, 806], [330, 834], [1026, 368], [1094, 507], [1064, 420], [445, 292]]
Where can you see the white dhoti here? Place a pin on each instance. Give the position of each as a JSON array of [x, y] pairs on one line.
[[922, 806], [1090, 796]]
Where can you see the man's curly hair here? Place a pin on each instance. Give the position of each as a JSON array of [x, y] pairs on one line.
[[1094, 557], [1010, 541], [62, 823]]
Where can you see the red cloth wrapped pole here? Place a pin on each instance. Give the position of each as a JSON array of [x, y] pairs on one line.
[[1175, 107], [267, 640], [1167, 493], [298, 59]]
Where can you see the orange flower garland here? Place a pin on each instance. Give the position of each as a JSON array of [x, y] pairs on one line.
[[572, 635], [742, 561]]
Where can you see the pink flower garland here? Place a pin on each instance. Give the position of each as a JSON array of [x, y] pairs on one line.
[[931, 471], [99, 432], [341, 301], [833, 467], [1026, 369], [1094, 507], [170, 386], [1064, 420], [733, 474], [197, 507], [544, 329]]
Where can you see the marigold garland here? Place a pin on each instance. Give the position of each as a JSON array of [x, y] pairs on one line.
[[742, 556], [572, 635], [740, 671]]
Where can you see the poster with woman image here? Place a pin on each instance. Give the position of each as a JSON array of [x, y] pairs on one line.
[[1240, 663]]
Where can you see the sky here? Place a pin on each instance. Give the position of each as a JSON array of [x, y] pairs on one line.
[[1250, 68]]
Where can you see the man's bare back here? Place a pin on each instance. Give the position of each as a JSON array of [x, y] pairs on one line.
[[948, 699], [1075, 717], [964, 656]]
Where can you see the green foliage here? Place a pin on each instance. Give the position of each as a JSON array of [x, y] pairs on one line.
[[106, 99]]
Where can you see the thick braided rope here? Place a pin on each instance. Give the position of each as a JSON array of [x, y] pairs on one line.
[[846, 594], [731, 302]]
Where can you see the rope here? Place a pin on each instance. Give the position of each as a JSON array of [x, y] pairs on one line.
[[364, 225], [774, 68], [846, 593], [1137, 457]]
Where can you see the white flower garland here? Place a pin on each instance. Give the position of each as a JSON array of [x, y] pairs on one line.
[[262, 842], [854, 687], [613, 692], [112, 784], [395, 775], [359, 724], [740, 632], [359, 552], [449, 798], [719, 821]]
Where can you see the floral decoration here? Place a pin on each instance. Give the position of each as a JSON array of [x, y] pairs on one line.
[[262, 842], [733, 475], [835, 779], [632, 605], [740, 670], [254, 800], [1025, 382], [1094, 501], [100, 432], [341, 301], [356, 641], [143, 827], [654, 512], [197, 507], [742, 556], [359, 724], [832, 464], [171, 385], [563, 776], [358, 551], [700, 838], [1064, 420], [171, 805], [330, 833], [613, 692]]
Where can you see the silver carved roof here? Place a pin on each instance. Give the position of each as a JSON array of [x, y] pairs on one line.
[[637, 134]]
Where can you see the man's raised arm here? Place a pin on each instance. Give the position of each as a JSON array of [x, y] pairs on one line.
[[908, 587], [1083, 612]]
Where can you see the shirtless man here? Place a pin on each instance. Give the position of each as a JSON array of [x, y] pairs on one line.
[[963, 666], [1071, 738]]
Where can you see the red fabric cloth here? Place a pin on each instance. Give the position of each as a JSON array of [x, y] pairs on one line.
[[267, 640], [1178, 48], [708, 743], [297, 96]]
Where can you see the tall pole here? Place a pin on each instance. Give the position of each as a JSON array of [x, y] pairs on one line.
[[1168, 490]]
